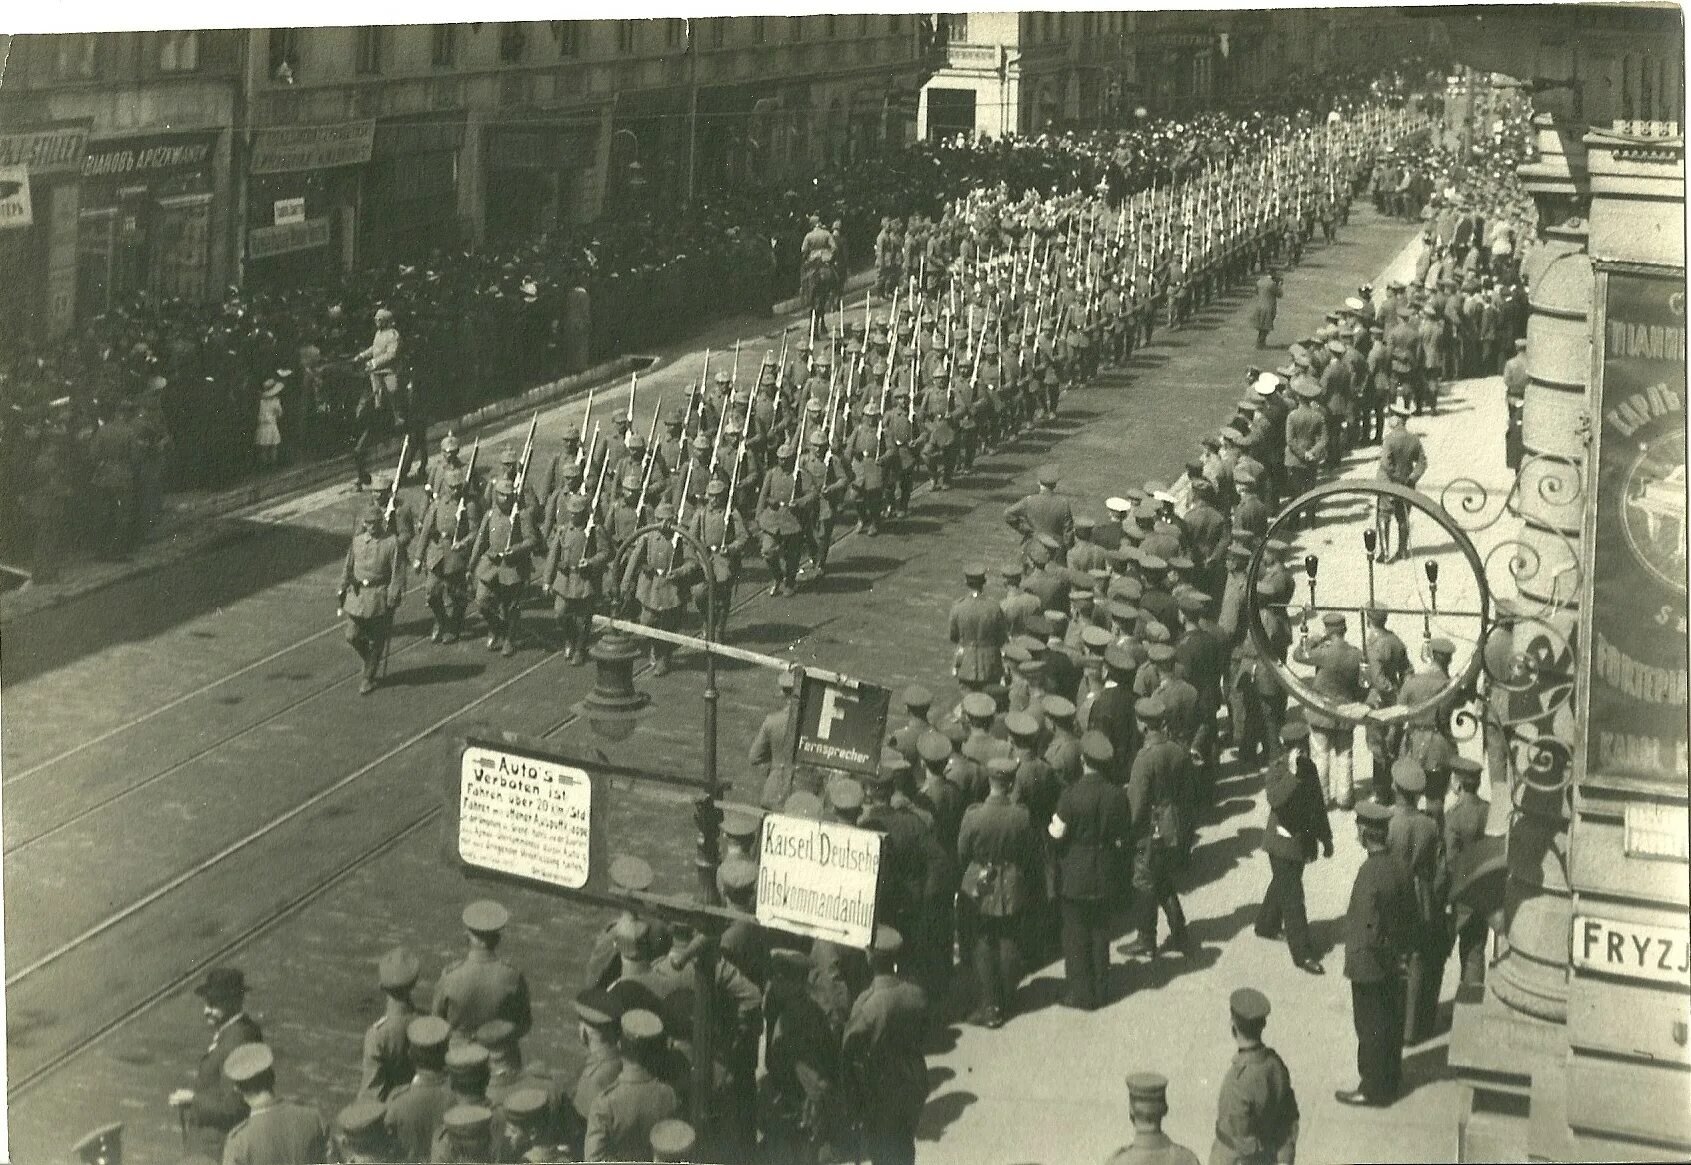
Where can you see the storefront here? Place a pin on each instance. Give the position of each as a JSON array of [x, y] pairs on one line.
[[409, 203], [145, 219], [302, 201], [40, 197], [534, 177]]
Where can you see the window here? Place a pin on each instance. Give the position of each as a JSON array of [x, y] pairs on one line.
[[513, 44], [179, 52], [568, 35], [284, 55], [625, 36], [77, 56], [719, 31], [445, 50], [368, 51], [957, 28]]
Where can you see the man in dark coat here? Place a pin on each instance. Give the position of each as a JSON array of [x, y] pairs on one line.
[[1091, 830], [213, 1106], [1266, 306], [1297, 826], [1380, 931]]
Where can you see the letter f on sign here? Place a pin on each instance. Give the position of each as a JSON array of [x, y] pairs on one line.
[[831, 712]]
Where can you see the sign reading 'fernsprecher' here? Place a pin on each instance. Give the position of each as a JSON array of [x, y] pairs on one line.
[[841, 724], [818, 878], [524, 816]]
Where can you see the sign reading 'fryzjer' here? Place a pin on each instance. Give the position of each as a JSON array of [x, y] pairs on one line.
[[818, 878], [524, 816], [1632, 950]]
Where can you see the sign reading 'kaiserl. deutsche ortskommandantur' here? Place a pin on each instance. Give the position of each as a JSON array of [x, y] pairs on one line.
[[818, 878]]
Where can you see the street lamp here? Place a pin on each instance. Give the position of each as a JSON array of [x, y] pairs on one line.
[[614, 704]]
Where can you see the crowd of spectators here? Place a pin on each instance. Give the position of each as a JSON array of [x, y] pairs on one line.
[[191, 380]]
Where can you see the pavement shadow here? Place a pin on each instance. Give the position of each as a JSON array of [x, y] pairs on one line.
[[1429, 1064], [249, 557], [941, 1111], [434, 673]]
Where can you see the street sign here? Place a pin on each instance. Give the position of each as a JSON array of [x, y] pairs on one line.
[[524, 814], [818, 879], [841, 724], [1632, 950]]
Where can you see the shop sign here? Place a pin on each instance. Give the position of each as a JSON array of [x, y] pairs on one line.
[[398, 139], [1632, 950], [525, 816], [818, 879], [139, 156], [45, 151], [15, 210], [266, 242], [289, 210], [1636, 660], [287, 149]]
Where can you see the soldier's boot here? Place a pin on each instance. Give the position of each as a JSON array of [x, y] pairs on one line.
[[508, 620], [437, 607], [772, 562], [824, 541]]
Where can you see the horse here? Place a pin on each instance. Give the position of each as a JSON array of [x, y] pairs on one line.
[[819, 288]]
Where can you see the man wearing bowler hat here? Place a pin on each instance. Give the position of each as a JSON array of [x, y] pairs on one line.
[[213, 1106]]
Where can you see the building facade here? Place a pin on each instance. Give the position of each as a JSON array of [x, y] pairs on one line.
[[1005, 73], [1577, 1046], [177, 163], [115, 168]]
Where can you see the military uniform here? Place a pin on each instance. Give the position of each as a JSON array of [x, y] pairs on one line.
[[372, 585], [619, 1125], [278, 1132], [977, 626], [882, 1050], [728, 536], [501, 559], [1380, 929], [446, 534], [1297, 828], [575, 563], [479, 987]]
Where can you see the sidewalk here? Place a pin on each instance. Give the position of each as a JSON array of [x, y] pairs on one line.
[[191, 522], [1049, 1086]]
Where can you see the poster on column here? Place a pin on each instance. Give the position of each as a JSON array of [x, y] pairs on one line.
[[1636, 654]]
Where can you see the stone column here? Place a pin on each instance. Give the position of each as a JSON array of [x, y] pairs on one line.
[[1532, 976]]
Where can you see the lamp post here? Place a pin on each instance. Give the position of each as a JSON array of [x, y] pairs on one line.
[[614, 705]]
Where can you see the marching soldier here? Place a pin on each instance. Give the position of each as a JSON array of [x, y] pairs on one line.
[[649, 578], [446, 534], [728, 536], [869, 457], [450, 466], [822, 482], [372, 586], [779, 505], [574, 573], [501, 558]]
